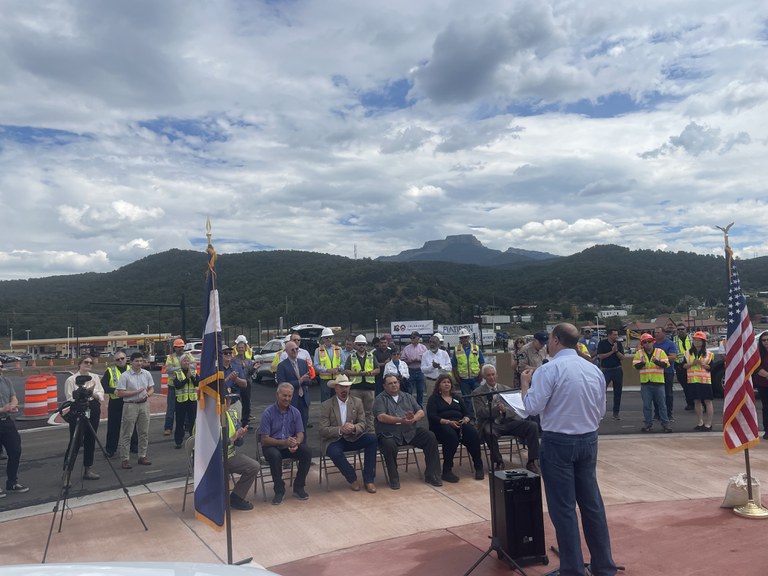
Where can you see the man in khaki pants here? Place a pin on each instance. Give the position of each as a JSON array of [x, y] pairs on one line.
[[135, 387]]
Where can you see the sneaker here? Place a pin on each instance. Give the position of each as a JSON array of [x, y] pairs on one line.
[[667, 429], [277, 499], [616, 416], [90, 475], [699, 428], [239, 503], [479, 474], [449, 476], [646, 428], [18, 488], [300, 494], [166, 432]]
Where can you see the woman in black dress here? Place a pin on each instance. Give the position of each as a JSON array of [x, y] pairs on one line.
[[450, 422]]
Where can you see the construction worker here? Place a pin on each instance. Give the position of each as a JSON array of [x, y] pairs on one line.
[[115, 407], [651, 362], [327, 362], [184, 383], [172, 365], [698, 364], [243, 358], [683, 343]]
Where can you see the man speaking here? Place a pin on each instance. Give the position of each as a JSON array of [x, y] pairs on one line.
[[569, 394]]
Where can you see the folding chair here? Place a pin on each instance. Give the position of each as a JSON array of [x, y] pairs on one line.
[[266, 470], [405, 450], [357, 462]]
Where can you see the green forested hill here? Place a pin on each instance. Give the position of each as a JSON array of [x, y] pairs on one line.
[[332, 290]]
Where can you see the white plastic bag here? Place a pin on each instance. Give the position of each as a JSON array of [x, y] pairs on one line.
[[736, 493]]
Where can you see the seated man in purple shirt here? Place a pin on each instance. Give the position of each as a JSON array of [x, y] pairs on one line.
[[281, 433]]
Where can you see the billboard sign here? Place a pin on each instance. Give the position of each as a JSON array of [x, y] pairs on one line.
[[404, 328]]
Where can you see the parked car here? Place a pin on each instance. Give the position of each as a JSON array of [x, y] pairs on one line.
[[265, 355], [8, 358]]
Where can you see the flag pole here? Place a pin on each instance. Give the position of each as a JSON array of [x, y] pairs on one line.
[[751, 509]]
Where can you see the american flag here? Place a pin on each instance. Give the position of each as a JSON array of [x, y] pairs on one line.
[[741, 360], [210, 502]]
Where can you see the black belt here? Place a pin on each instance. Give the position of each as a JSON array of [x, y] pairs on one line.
[[135, 401]]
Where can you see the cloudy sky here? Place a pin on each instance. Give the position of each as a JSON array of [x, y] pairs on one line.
[[329, 124]]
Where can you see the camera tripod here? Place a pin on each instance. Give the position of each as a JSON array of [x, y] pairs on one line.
[[82, 425]]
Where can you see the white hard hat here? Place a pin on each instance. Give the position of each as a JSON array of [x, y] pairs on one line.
[[438, 336], [463, 332], [360, 339], [241, 339], [326, 333]]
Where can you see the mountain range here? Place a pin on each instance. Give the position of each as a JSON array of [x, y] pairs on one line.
[[263, 288], [467, 249]]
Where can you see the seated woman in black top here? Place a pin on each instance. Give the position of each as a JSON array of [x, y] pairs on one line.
[[449, 420]]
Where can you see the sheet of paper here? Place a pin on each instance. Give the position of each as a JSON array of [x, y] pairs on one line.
[[515, 401]]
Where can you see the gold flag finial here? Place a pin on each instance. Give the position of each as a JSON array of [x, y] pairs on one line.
[[725, 233]]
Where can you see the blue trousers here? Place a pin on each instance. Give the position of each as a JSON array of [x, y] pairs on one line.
[[416, 378], [568, 467], [652, 395], [366, 442], [170, 409]]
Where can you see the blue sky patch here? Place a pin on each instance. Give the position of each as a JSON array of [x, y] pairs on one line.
[[33, 135], [393, 95], [178, 129]]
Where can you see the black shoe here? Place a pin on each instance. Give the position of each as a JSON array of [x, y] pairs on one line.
[[110, 454], [395, 484], [300, 494], [238, 503], [499, 465], [17, 488], [277, 499], [479, 474], [699, 428], [646, 428], [667, 429], [178, 446], [434, 481], [449, 476], [616, 416]]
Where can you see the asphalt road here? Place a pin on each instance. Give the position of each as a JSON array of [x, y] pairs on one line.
[[43, 446]]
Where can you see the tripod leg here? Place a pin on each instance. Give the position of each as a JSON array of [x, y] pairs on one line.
[[114, 472]]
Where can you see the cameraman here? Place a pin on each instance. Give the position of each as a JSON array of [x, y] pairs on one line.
[[88, 395]]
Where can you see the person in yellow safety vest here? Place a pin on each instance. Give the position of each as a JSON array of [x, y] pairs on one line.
[[184, 382], [466, 361], [115, 406], [328, 362], [303, 355], [683, 343], [698, 363], [651, 363], [172, 365], [361, 369], [583, 351]]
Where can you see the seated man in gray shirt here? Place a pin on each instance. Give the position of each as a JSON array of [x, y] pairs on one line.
[[395, 416]]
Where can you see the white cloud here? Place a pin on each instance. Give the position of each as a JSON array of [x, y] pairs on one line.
[[324, 125]]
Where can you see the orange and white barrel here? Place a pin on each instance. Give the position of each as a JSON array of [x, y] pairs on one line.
[[163, 381], [53, 392], [35, 398]]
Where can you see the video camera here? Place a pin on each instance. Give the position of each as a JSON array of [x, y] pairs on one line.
[[81, 393]]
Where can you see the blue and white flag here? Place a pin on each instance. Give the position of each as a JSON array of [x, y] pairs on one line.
[[210, 500]]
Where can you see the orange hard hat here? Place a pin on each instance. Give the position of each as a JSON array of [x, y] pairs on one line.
[[701, 335], [178, 343], [646, 338]]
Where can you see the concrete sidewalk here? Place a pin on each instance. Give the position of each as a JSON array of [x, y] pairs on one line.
[[662, 494]]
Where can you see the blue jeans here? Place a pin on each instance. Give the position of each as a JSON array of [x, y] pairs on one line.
[[416, 378], [468, 386], [568, 467], [653, 394], [366, 442]]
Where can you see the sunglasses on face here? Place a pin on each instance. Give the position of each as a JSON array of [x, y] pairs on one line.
[[120, 359], [227, 353], [87, 362]]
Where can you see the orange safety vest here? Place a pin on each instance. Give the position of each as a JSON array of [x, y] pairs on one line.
[[697, 374], [650, 373]]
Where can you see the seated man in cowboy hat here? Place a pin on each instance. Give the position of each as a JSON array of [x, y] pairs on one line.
[[343, 425]]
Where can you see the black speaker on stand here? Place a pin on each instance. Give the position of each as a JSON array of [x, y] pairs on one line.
[[518, 516]]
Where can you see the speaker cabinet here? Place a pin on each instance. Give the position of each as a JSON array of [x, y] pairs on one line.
[[518, 517]]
